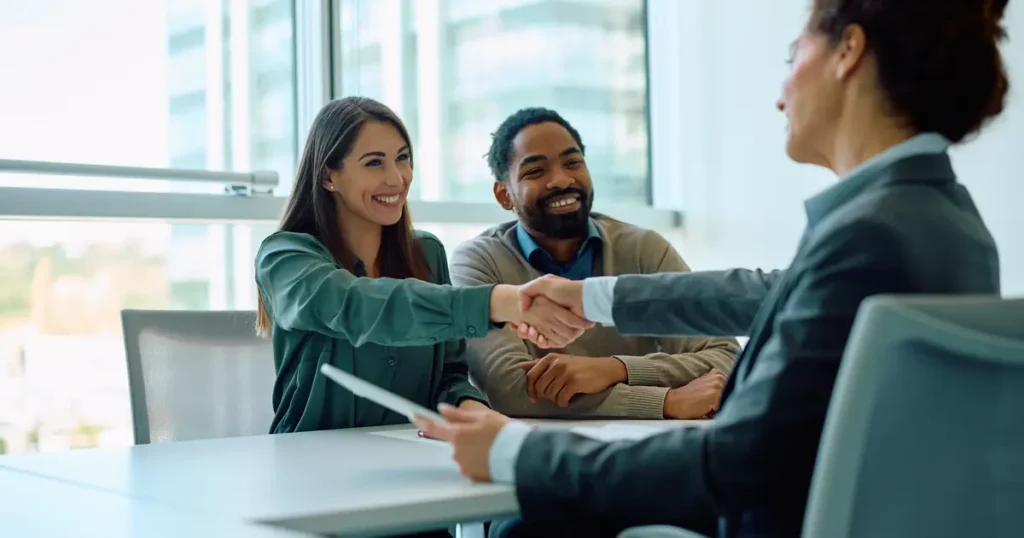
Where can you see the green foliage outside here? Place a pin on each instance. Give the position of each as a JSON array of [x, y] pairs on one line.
[[29, 275]]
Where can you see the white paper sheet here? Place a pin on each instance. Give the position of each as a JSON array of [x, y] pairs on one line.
[[409, 435], [618, 432], [607, 432]]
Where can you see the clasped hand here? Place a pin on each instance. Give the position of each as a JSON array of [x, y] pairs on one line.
[[558, 377], [547, 311], [545, 293]]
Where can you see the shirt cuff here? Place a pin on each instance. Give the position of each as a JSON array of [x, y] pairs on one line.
[[598, 298], [471, 309], [501, 460]]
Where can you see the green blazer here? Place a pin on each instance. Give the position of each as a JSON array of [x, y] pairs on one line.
[[405, 335]]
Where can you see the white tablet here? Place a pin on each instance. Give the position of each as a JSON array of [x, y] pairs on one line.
[[379, 396]]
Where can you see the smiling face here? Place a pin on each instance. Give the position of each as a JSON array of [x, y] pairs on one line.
[[548, 183], [373, 180]]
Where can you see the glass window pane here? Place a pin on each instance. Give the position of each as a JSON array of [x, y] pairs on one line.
[[454, 69], [200, 84], [63, 382]]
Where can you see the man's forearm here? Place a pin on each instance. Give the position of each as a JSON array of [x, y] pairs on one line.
[[679, 368], [664, 370], [619, 401]]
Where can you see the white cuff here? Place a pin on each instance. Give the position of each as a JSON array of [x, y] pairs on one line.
[[598, 298], [501, 461]]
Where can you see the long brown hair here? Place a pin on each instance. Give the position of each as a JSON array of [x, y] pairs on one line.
[[311, 208]]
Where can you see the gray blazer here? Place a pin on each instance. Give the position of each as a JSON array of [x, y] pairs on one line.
[[908, 227]]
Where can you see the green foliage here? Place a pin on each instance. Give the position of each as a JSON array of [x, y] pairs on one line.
[[20, 267], [17, 263]]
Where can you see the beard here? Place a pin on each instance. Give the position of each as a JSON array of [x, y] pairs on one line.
[[559, 226]]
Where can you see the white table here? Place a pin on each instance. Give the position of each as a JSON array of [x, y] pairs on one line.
[[46, 508], [352, 482]]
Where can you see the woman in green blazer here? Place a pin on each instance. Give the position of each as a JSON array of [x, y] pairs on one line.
[[347, 281]]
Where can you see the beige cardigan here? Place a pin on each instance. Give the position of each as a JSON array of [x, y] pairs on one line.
[[653, 364]]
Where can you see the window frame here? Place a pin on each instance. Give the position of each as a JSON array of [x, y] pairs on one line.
[[667, 90], [317, 79]]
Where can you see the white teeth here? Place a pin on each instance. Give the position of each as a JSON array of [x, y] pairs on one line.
[[564, 202], [386, 199]]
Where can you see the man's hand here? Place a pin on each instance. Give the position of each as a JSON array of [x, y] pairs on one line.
[[559, 377], [697, 399], [471, 433], [548, 324]]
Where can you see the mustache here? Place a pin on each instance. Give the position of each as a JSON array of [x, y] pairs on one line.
[[543, 200]]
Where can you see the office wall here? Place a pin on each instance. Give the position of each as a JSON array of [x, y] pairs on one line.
[[714, 83]]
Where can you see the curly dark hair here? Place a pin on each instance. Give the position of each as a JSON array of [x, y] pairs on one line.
[[938, 60], [501, 140]]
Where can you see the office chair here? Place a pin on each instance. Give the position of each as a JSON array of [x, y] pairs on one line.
[[925, 431], [197, 375]]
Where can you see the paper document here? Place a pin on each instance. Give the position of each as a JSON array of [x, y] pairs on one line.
[[618, 432], [378, 395], [410, 435]]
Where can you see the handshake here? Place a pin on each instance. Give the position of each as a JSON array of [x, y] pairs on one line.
[[547, 311]]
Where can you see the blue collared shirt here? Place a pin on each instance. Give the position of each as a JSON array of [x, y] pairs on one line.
[[579, 268], [598, 292]]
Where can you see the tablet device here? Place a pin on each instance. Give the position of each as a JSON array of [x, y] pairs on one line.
[[379, 396]]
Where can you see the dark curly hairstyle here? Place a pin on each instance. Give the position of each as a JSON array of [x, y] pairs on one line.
[[938, 60], [501, 140]]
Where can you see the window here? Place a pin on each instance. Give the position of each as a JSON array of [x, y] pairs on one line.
[[454, 69], [62, 288], [147, 83], [231, 85], [197, 84]]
